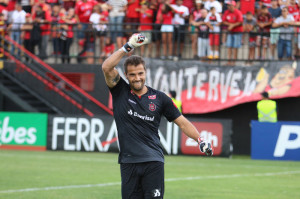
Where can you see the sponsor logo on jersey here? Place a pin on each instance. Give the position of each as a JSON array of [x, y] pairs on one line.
[[152, 107], [131, 101], [152, 96], [143, 117]]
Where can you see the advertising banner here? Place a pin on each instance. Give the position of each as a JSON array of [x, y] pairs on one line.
[[23, 131], [275, 141], [205, 88], [73, 133]]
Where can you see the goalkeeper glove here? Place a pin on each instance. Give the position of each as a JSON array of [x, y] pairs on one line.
[[136, 40], [205, 147]]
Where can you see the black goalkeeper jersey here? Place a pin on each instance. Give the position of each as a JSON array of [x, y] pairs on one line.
[[137, 119]]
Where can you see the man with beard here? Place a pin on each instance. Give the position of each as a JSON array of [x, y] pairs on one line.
[[137, 111]]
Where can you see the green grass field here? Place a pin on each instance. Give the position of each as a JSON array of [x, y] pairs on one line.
[[56, 175]]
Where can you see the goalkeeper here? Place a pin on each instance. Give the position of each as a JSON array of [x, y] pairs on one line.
[[137, 111]]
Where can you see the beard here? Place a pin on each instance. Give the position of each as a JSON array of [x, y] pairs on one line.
[[137, 86]]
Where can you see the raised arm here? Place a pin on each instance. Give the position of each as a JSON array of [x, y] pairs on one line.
[[111, 74]]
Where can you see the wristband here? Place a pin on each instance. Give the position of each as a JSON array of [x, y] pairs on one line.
[[127, 48]]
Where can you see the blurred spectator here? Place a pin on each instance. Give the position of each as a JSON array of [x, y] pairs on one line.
[[178, 103], [10, 7], [116, 18], [67, 4], [4, 11], [99, 21], [42, 17], [275, 12], [249, 26], [109, 49], [41, 3], [213, 3], [203, 35], [132, 16], [180, 16], [213, 21], [190, 4], [146, 18], [17, 20], [266, 3], [155, 6], [88, 45], [264, 22], [3, 32], [83, 11], [294, 10], [66, 34], [26, 5], [247, 6], [194, 16], [53, 2], [167, 29], [285, 22], [233, 19], [283, 3], [26, 31], [55, 29]]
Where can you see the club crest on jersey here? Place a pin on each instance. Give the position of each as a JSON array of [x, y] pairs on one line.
[[152, 97], [152, 107]]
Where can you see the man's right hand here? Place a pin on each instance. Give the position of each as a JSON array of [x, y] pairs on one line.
[[136, 40], [205, 147]]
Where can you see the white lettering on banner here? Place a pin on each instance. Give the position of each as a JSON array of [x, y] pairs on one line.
[[167, 143], [69, 132], [220, 85], [83, 130], [95, 135], [20, 135], [190, 73], [56, 131], [199, 93], [225, 85], [283, 142], [234, 88], [213, 85], [86, 133], [113, 132]]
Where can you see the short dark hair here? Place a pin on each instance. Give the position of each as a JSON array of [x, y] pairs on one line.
[[265, 94], [134, 60], [173, 94]]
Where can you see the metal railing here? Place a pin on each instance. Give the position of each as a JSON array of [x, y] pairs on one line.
[[94, 49], [48, 83]]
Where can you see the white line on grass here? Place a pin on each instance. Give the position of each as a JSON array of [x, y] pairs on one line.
[[167, 180]]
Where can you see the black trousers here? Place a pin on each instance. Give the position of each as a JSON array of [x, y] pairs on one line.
[[65, 49], [142, 180]]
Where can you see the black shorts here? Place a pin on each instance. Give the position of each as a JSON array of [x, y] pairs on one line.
[[156, 34], [142, 180], [179, 33]]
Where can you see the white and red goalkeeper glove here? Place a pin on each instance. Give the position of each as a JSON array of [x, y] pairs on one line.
[[136, 40], [205, 147]]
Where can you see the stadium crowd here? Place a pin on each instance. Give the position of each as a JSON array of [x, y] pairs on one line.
[[206, 24]]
